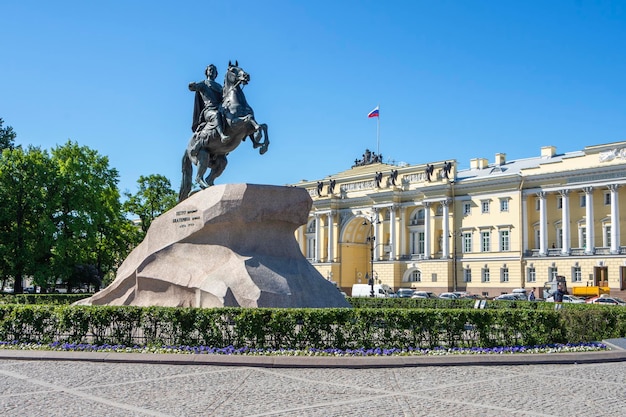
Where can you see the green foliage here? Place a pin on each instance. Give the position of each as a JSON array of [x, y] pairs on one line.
[[26, 183], [88, 211], [309, 328], [154, 197], [53, 299], [7, 136], [61, 218]]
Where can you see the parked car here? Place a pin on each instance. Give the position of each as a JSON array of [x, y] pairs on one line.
[[520, 296], [449, 296], [31, 290], [508, 297], [606, 299], [405, 293], [473, 297], [423, 294], [568, 299], [365, 290]]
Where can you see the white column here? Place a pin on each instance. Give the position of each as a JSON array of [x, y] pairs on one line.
[[317, 239], [543, 224], [392, 233], [375, 225], [446, 232], [301, 238], [402, 250], [589, 245], [565, 223], [615, 243], [331, 240], [427, 232]]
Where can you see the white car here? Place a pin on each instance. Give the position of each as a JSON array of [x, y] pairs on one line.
[[568, 299], [423, 294], [405, 293], [449, 296], [508, 297], [607, 300]]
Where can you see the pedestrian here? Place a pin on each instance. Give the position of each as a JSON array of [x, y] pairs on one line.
[[558, 294], [531, 296]]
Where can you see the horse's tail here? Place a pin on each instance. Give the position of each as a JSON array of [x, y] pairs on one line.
[[185, 184]]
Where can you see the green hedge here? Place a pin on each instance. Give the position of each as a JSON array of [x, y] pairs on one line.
[[366, 302], [41, 298], [308, 328]]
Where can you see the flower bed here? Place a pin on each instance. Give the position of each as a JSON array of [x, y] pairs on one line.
[[231, 350]]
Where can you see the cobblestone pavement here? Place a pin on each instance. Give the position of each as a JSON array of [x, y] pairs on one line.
[[84, 388]]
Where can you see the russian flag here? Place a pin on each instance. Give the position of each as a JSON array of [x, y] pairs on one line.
[[373, 113]]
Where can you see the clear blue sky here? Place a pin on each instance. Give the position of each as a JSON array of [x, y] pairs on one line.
[[454, 79]]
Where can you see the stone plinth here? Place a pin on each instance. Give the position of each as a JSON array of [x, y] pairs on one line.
[[228, 245]]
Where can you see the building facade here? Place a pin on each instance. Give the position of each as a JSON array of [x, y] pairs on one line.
[[494, 227]]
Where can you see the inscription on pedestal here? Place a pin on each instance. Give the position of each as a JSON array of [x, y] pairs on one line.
[[185, 218]]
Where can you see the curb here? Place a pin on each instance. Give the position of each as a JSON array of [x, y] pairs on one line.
[[617, 354]]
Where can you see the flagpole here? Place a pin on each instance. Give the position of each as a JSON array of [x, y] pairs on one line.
[[378, 133]]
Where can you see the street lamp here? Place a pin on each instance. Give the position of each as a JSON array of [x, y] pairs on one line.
[[371, 239]]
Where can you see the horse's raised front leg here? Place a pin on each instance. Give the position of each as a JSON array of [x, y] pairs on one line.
[[266, 141]]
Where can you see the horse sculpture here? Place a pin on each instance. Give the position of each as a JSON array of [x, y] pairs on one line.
[[206, 149]]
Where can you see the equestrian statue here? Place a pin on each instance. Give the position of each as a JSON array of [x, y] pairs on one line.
[[222, 119]]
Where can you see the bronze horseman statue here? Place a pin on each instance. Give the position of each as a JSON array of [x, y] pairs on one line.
[[222, 119]]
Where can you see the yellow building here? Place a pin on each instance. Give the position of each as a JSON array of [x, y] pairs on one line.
[[494, 227]]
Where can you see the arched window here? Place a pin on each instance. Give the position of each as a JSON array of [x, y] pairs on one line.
[[416, 276]]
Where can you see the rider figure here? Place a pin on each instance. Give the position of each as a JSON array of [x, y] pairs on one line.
[[206, 113]]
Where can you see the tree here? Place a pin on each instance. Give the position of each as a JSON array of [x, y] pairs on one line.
[[7, 136], [26, 180], [155, 197], [88, 216]]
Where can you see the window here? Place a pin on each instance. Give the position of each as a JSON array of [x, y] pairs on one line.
[[504, 204], [484, 206], [537, 204], [559, 202], [552, 273], [583, 201], [504, 274], [418, 218], [577, 275], [467, 208], [485, 238], [416, 276], [420, 242], [439, 210], [532, 274], [433, 277], [559, 238], [485, 275], [607, 199], [467, 242], [504, 241], [467, 275]]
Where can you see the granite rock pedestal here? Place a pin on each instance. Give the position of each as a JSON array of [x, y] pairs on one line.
[[228, 245]]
